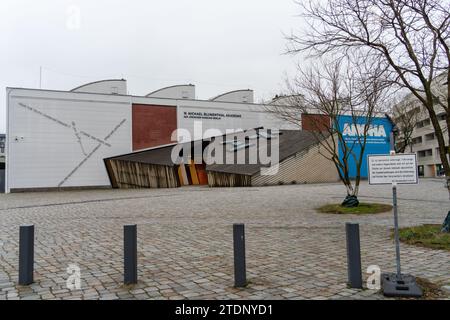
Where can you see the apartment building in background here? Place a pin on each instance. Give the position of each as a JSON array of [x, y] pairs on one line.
[[2, 147], [2, 161], [423, 139]]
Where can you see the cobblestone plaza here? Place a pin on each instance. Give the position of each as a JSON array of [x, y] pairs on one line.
[[185, 248]]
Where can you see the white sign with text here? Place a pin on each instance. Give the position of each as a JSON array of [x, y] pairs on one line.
[[388, 169]]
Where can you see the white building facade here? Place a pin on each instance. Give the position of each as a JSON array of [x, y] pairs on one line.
[[58, 139], [424, 142]]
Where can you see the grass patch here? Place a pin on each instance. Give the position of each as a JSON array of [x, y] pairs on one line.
[[427, 235], [363, 208]]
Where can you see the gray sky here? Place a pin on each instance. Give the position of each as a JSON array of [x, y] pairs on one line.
[[216, 45]]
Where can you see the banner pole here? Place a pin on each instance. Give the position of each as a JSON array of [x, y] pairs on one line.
[[396, 235], [394, 205]]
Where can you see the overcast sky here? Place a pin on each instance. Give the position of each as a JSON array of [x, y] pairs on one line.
[[216, 45]]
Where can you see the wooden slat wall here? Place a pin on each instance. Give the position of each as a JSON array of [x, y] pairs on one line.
[[219, 179], [201, 174], [127, 174]]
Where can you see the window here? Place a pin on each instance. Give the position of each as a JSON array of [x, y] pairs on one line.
[[441, 116], [237, 144], [439, 170], [429, 137], [267, 135], [423, 123], [421, 171], [242, 145], [228, 142], [417, 140], [425, 153]]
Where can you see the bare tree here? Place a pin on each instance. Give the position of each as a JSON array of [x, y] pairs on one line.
[[405, 115], [327, 93], [411, 36]]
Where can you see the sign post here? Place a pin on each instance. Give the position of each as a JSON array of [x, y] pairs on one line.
[[396, 236], [395, 169]]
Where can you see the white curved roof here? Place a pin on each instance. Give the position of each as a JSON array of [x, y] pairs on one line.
[[108, 86], [182, 91], [245, 95], [287, 100]]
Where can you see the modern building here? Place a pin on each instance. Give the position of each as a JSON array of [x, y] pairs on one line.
[[2, 147], [2, 143], [299, 160], [74, 139], [58, 139], [2, 161], [424, 142], [245, 158]]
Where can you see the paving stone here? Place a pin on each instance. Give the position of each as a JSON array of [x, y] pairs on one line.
[[185, 241]]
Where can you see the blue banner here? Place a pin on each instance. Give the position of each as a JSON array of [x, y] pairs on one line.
[[377, 141]]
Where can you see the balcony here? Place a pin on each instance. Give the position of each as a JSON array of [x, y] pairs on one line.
[[426, 159]]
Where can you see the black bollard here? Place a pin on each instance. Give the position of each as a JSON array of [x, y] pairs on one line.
[[240, 279], [26, 254], [353, 255], [130, 253]]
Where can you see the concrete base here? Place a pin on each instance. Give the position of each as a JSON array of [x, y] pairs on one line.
[[404, 287]]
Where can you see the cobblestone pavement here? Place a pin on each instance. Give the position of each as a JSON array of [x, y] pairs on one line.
[[185, 241]]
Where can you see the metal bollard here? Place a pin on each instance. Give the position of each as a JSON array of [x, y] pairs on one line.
[[130, 253], [26, 254], [353, 255], [240, 279]]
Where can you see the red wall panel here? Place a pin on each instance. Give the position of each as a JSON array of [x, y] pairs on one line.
[[315, 122], [152, 125]]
